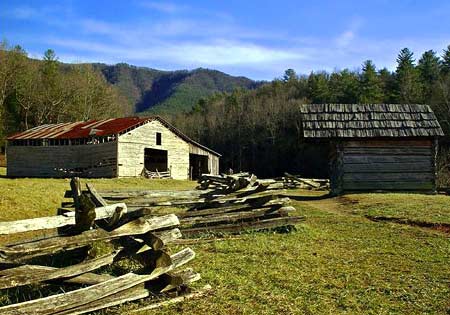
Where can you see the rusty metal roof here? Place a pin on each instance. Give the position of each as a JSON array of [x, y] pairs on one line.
[[82, 129], [105, 127]]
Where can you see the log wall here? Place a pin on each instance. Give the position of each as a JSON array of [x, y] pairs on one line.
[[402, 165], [213, 160], [93, 160]]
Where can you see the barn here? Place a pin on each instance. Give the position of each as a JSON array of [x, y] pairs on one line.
[[117, 147], [389, 147]]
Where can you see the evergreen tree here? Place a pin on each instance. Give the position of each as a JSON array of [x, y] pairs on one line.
[[343, 87], [388, 85], [318, 89], [429, 73], [290, 75], [445, 65], [408, 81], [370, 90]]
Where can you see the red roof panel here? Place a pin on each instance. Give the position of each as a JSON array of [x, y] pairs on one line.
[[80, 130], [105, 127]]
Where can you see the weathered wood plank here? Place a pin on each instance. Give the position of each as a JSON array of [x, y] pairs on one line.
[[386, 177], [388, 167], [244, 226], [84, 214], [368, 159], [88, 278], [11, 227], [29, 250], [234, 208], [388, 143], [73, 300], [236, 217], [97, 198], [137, 292], [16, 277], [389, 151], [75, 186], [140, 291]]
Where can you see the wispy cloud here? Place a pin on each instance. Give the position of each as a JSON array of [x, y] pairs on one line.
[[182, 36], [218, 53], [346, 38], [23, 13], [165, 7]]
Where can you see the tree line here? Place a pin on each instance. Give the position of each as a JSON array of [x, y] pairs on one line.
[[260, 130], [35, 92], [255, 129]]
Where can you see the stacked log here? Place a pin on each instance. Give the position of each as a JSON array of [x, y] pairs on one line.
[[295, 181], [142, 240], [231, 183], [226, 183], [245, 204]]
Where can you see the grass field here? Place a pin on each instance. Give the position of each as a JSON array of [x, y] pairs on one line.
[[337, 262]]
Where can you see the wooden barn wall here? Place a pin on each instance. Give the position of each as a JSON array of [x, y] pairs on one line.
[[384, 165], [95, 160], [132, 145], [213, 160]]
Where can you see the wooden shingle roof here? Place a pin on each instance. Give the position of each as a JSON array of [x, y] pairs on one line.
[[368, 121]]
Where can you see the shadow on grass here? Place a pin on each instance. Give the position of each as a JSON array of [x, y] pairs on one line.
[[441, 227], [310, 198]]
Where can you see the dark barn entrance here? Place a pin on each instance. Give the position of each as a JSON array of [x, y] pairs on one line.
[[155, 160], [198, 165]]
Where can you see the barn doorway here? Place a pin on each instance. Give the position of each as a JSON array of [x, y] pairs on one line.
[[198, 165], [155, 160]]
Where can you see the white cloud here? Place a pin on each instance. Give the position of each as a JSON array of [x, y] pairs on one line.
[[215, 53], [344, 39], [165, 7], [208, 39]]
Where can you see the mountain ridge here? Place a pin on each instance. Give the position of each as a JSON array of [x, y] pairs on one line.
[[155, 91]]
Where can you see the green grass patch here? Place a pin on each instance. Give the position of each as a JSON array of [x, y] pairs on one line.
[[415, 207], [24, 198], [337, 262]]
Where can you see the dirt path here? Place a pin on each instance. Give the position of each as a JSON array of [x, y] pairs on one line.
[[342, 206]]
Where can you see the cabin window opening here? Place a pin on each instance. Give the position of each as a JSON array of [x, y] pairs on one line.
[[158, 138]]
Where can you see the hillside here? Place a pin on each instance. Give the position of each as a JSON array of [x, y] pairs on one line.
[[155, 91]]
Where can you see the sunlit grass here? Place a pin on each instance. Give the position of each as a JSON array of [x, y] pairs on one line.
[[417, 207], [337, 262]]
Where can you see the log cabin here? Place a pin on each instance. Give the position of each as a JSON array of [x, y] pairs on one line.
[[387, 147], [116, 147]]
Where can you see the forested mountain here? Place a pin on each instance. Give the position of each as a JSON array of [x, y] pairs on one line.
[[156, 91], [257, 129], [35, 92], [260, 130]]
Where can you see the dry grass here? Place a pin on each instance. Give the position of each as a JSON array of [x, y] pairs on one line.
[[337, 262]]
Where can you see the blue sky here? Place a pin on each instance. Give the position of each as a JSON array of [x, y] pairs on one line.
[[257, 39]]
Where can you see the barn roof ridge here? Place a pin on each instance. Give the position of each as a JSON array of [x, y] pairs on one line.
[[368, 120], [102, 127]]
